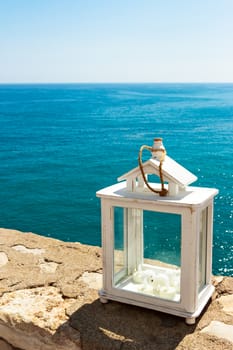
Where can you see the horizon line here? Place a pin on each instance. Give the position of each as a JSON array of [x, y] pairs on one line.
[[115, 82]]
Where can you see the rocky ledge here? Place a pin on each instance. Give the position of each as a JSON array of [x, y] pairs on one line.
[[49, 301]]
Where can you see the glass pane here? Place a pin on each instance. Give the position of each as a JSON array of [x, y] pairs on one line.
[[147, 252], [119, 244], [202, 248], [162, 254], [162, 237]]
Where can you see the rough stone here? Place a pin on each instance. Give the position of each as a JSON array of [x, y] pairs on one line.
[[48, 267], [225, 286], [3, 259], [92, 279], [220, 330], [44, 306], [49, 301], [28, 338], [6, 346], [226, 301], [23, 249]]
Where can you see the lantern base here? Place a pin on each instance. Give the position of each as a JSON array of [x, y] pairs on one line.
[[103, 300], [190, 321], [132, 299], [156, 281]]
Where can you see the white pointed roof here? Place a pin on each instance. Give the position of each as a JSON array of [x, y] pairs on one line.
[[172, 171]]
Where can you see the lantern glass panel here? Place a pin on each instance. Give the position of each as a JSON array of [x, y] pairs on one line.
[[162, 237], [120, 251], [162, 253], [147, 252]]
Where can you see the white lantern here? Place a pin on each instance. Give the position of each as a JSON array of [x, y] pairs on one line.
[[157, 250]]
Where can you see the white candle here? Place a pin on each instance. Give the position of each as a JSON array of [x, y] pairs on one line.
[[167, 293], [138, 277]]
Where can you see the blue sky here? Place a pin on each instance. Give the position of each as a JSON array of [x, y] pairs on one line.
[[116, 41]]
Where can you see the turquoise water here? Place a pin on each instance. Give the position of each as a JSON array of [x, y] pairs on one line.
[[61, 143]]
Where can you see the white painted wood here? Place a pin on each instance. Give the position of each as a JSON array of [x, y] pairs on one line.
[[152, 303], [189, 205], [104, 222], [173, 189], [193, 196], [209, 243], [132, 241], [202, 247], [141, 182], [108, 243], [176, 172], [188, 262], [172, 171], [103, 300], [190, 321]]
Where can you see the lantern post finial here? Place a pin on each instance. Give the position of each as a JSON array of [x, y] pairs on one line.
[[158, 152]]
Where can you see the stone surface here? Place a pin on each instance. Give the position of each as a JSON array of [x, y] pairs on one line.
[[3, 259], [92, 279], [220, 330], [23, 249], [43, 306], [226, 301], [49, 301], [4, 345]]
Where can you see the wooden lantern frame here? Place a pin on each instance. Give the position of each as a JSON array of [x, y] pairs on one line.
[[191, 203]]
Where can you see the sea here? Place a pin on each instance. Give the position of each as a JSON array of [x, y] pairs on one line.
[[60, 143]]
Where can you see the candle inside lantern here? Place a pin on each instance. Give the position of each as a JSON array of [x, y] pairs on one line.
[[160, 282]]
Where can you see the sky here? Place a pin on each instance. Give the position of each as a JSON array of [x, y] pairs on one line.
[[116, 41]]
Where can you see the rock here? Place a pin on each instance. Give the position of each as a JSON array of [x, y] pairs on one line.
[[36, 339], [3, 259], [220, 330], [92, 279], [226, 301], [23, 249], [225, 286], [44, 306], [48, 267], [49, 301], [35, 315], [5, 346], [35, 260]]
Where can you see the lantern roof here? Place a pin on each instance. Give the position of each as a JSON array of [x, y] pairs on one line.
[[172, 172]]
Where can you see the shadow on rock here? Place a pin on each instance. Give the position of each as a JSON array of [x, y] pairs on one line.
[[125, 327]]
